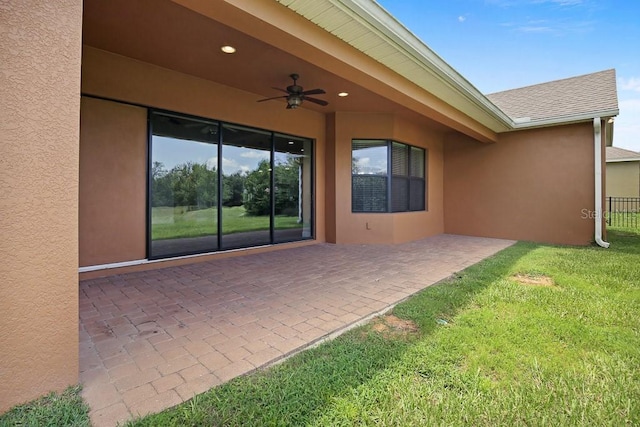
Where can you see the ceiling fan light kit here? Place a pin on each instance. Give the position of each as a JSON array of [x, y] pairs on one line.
[[296, 95]]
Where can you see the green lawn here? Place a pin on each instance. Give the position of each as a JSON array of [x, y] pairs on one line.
[[172, 223], [536, 335], [55, 409], [623, 221]]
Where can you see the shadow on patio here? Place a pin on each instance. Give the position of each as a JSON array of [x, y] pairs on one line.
[[153, 339]]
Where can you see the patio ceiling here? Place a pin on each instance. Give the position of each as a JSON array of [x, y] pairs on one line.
[[187, 37], [171, 36]]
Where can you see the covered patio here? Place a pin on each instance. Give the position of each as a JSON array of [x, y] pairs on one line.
[[150, 340]]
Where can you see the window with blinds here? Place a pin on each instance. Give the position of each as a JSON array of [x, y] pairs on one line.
[[387, 176]]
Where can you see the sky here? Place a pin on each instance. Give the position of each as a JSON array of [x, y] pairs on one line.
[[505, 44], [172, 152]]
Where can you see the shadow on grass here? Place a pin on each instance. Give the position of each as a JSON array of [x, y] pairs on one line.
[[624, 240], [296, 391]]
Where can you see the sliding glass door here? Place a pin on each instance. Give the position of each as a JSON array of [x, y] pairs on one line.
[[183, 184], [292, 198], [246, 158], [216, 186]]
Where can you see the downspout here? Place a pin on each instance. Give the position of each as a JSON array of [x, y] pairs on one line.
[[597, 143]]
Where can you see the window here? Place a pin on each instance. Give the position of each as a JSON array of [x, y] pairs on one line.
[[215, 186], [387, 176]]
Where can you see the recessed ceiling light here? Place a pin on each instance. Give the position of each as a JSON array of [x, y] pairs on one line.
[[343, 94], [228, 49]]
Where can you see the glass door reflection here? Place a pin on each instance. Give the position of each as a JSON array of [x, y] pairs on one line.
[[246, 187], [184, 186], [292, 197]]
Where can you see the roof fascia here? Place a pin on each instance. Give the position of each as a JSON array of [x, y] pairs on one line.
[[629, 159], [525, 123], [395, 33], [412, 47]]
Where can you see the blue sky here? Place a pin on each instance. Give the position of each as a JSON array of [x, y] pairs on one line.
[[505, 44]]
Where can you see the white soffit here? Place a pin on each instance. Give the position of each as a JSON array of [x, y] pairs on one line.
[[367, 27]]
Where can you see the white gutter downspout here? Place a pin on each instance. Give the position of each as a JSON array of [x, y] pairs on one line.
[[597, 143]]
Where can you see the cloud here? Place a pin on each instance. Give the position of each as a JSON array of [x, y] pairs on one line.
[[256, 154], [535, 29], [555, 27], [631, 83], [229, 166], [562, 2], [462, 18], [553, 3]]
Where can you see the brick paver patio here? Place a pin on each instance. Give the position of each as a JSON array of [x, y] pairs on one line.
[[151, 340]]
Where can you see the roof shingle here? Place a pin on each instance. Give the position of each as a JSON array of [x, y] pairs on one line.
[[590, 93], [615, 154]]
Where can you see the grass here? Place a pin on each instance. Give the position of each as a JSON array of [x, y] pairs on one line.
[[178, 222], [624, 221], [536, 335], [55, 409]]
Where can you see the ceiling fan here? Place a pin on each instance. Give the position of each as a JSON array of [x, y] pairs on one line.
[[295, 94]]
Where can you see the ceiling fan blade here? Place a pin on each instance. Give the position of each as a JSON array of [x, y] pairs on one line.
[[275, 97], [316, 101], [314, 92]]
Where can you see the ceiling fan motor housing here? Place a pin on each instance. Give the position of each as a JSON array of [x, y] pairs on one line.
[[294, 101], [296, 94]]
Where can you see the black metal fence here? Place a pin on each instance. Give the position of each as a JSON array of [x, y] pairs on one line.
[[623, 212]]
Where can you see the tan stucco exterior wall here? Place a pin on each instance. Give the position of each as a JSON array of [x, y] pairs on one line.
[[105, 145], [623, 179], [39, 100], [380, 227], [113, 189], [105, 238], [517, 187]]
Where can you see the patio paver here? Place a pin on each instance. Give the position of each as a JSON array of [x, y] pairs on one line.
[[151, 340]]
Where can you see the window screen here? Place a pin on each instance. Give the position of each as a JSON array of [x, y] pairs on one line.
[[387, 176]]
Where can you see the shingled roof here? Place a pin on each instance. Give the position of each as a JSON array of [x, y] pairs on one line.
[[615, 154], [591, 93]]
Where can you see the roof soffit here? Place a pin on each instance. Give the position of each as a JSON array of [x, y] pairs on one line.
[[370, 29], [366, 26], [277, 25]]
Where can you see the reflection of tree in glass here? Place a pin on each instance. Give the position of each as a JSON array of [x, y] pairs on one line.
[[195, 185], [257, 197], [257, 200], [232, 189], [187, 184], [355, 166], [287, 176]]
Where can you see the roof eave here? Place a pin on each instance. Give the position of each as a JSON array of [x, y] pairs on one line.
[[563, 120], [391, 32], [431, 61], [628, 159]]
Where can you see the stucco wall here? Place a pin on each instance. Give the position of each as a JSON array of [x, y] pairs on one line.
[[380, 227], [623, 179], [124, 144], [39, 100], [113, 189], [533, 185]]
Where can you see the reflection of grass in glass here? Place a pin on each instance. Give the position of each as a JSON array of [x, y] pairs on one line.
[[172, 223]]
